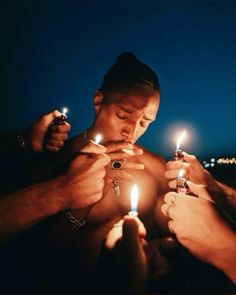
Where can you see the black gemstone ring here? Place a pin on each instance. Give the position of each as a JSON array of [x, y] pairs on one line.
[[116, 165]]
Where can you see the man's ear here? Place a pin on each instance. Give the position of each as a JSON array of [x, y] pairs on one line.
[[98, 100]]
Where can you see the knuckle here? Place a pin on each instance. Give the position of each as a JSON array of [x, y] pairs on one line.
[[194, 159], [103, 173], [167, 173]]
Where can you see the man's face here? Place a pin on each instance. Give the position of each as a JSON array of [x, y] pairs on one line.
[[125, 117]]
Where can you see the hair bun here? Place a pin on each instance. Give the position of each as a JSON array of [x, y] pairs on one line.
[[127, 58], [129, 69]]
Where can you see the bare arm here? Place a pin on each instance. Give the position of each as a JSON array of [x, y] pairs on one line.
[[38, 136], [23, 209], [200, 228], [229, 193], [80, 187]]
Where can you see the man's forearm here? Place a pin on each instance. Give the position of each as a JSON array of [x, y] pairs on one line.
[[229, 192], [21, 210], [226, 256]]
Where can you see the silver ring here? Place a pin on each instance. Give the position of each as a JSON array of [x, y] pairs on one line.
[[116, 165], [172, 199]]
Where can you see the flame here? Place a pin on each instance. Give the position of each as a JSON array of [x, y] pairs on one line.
[[134, 197], [98, 138], [181, 173], [65, 111], [180, 139]]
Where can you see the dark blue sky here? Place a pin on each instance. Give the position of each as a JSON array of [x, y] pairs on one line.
[[56, 55]]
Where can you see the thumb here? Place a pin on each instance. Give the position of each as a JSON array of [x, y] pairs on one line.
[[192, 160], [48, 118], [199, 190], [131, 236], [136, 256], [93, 147], [55, 114]]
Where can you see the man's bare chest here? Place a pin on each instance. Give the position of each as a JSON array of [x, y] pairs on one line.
[[115, 202]]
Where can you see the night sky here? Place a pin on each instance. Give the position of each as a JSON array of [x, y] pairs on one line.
[[56, 55]]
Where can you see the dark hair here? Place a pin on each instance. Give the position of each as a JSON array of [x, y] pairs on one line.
[[128, 73]]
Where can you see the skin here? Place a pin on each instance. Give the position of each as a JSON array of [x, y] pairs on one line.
[[194, 171], [39, 136], [126, 240], [74, 189], [198, 226], [35, 134], [121, 121]]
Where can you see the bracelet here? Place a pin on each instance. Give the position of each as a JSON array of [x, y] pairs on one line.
[[73, 220], [22, 142]]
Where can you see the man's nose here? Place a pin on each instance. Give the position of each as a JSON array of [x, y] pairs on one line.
[[129, 131]]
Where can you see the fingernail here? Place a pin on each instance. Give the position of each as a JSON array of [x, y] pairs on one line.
[[130, 152], [139, 151]]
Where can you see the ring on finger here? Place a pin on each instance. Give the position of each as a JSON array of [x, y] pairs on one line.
[[117, 164]]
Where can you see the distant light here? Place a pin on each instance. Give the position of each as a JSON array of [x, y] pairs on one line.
[[212, 164], [226, 161], [212, 160], [204, 162], [206, 165]]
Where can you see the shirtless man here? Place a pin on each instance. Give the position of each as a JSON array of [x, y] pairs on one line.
[[125, 105]]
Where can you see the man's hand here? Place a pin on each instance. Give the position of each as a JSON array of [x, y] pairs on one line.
[[126, 242], [198, 225], [193, 171], [122, 150], [83, 184], [121, 154], [43, 135]]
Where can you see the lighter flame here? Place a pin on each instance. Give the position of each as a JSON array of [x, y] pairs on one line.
[[98, 138], [180, 139], [181, 173], [134, 198], [65, 111]]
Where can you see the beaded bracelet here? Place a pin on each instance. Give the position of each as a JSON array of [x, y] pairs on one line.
[[21, 141]]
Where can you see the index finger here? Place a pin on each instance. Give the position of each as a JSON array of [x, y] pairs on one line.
[[101, 159], [93, 147], [199, 190], [123, 154], [174, 165], [117, 146], [192, 160], [64, 128]]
